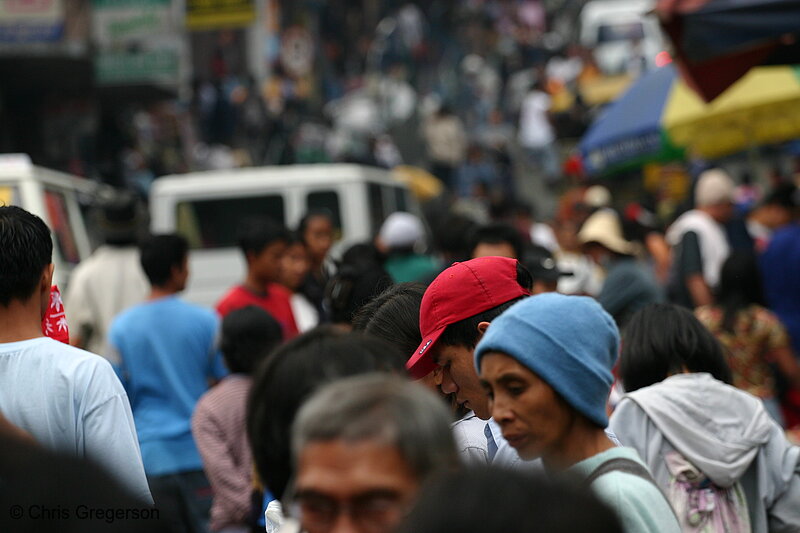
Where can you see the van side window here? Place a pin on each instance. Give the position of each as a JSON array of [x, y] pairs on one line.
[[377, 213], [400, 200], [214, 223], [58, 215], [328, 201]]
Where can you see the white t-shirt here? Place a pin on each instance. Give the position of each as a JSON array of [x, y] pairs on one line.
[[535, 130], [71, 402], [305, 315], [102, 286]]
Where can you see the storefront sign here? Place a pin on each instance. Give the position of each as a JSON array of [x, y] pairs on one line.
[[218, 14], [137, 42], [158, 62], [31, 21], [115, 21]]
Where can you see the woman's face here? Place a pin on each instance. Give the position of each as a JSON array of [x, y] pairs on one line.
[[294, 266], [533, 417]]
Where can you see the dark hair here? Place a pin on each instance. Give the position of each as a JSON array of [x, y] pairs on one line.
[[294, 237], [26, 249], [248, 335], [290, 375], [497, 233], [257, 233], [363, 254], [783, 195], [118, 217], [393, 316], [465, 332], [451, 236], [663, 339], [506, 501], [160, 254], [59, 483], [739, 286], [358, 279], [302, 226]]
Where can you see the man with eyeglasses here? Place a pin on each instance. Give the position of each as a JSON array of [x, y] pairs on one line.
[[362, 446]]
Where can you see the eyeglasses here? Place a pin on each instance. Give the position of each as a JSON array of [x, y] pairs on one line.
[[373, 512]]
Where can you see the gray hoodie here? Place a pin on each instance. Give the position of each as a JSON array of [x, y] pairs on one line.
[[724, 432]]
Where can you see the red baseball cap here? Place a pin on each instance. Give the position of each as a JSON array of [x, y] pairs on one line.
[[461, 291]]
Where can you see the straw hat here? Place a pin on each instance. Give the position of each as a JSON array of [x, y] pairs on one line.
[[604, 228]]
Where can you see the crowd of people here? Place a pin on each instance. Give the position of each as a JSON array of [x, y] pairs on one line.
[[591, 373], [471, 89]]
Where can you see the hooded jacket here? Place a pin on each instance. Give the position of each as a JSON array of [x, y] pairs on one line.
[[723, 431]]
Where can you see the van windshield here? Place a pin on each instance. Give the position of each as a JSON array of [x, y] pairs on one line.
[[214, 223], [620, 31]]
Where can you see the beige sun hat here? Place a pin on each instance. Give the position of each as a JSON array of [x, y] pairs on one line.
[[604, 228]]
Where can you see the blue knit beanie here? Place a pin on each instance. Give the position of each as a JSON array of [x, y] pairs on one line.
[[568, 341]]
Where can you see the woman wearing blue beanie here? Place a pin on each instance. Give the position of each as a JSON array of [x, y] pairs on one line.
[[546, 365]]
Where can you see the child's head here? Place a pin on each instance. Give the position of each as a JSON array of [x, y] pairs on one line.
[[164, 260], [316, 230], [296, 263], [263, 243], [26, 258], [248, 335]]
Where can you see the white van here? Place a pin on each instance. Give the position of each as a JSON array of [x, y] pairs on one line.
[[59, 199], [206, 208], [613, 28]]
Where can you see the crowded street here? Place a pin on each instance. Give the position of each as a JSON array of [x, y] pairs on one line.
[[392, 266]]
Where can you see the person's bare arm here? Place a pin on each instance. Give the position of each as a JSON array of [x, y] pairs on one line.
[[699, 290], [662, 254], [787, 365]]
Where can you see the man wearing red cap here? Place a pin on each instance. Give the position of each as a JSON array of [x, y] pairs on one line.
[[455, 312]]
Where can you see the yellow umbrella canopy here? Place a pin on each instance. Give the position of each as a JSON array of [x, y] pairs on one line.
[[763, 107], [423, 185]]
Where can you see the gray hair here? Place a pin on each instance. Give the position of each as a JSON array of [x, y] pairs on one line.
[[380, 407]]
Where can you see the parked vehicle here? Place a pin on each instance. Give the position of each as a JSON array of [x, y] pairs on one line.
[[623, 34], [61, 200], [207, 207]]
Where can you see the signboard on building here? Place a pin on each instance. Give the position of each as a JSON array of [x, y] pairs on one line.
[[160, 65], [31, 21], [219, 14], [115, 21], [137, 42]]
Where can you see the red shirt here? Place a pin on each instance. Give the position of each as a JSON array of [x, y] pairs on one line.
[[275, 301]]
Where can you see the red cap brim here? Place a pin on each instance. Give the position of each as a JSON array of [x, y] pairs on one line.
[[420, 363]]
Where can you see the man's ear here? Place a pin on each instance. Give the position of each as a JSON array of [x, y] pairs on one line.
[[482, 327], [45, 282], [47, 278]]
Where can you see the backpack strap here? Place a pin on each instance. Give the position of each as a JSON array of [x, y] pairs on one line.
[[628, 466], [620, 464]]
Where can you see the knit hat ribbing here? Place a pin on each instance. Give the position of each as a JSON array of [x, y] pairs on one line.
[[568, 341]]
